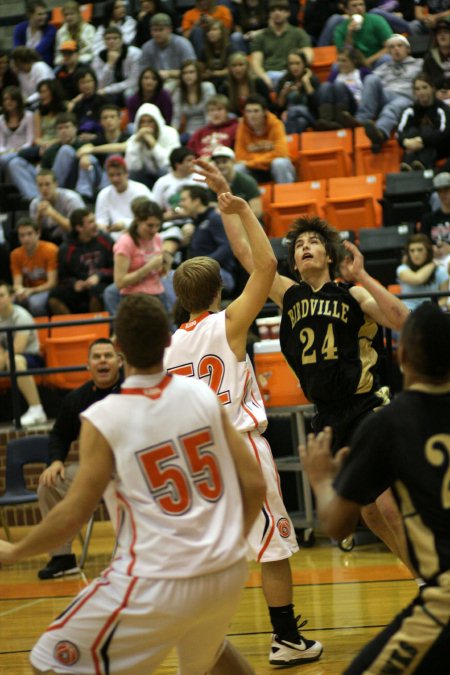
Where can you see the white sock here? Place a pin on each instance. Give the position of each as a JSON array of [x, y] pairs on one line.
[[36, 408]]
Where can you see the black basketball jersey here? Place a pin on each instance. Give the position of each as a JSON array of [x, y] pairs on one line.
[[329, 343], [406, 445]]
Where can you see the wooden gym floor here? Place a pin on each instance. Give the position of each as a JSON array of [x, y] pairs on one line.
[[346, 597]]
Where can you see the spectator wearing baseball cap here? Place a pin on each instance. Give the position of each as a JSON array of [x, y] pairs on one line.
[[241, 184], [165, 51], [67, 72], [271, 46]]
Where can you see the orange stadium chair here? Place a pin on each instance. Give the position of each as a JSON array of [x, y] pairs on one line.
[[293, 141], [266, 190], [353, 202], [366, 162], [323, 59], [292, 200], [99, 330], [68, 351], [325, 154]]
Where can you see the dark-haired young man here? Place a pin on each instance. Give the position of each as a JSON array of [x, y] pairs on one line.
[[129, 619], [85, 267], [103, 364], [327, 336], [405, 447], [208, 236]]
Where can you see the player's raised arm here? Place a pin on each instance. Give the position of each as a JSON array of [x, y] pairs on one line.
[[251, 480], [247, 238], [374, 299]]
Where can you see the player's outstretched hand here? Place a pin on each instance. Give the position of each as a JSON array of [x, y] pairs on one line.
[[228, 203], [317, 459], [353, 263], [214, 179]]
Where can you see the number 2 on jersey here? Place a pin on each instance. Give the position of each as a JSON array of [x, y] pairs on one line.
[[170, 484], [210, 367], [437, 451]]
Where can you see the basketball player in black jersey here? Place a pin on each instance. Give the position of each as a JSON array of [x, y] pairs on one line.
[[327, 336], [405, 446]]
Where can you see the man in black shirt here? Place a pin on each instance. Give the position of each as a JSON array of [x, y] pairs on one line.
[[405, 447], [104, 365]]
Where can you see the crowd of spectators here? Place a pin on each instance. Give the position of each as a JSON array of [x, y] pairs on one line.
[[100, 126]]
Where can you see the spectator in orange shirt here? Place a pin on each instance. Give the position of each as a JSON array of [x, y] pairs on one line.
[[196, 21], [34, 268], [261, 147]]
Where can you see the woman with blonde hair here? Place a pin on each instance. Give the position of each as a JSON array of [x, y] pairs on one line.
[[242, 83]]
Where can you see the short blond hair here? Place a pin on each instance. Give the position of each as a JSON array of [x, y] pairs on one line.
[[196, 283]]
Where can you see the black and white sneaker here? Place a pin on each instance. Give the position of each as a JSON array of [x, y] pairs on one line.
[[286, 653], [59, 566]]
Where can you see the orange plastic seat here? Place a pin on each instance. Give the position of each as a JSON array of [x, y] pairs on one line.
[[99, 330], [266, 190], [64, 352], [325, 154], [353, 202], [395, 289], [367, 162], [292, 200], [293, 141], [323, 59]]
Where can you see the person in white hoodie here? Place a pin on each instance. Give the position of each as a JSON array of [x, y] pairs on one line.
[[148, 150]]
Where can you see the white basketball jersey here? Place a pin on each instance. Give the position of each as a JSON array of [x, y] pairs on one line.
[[180, 509], [200, 349]]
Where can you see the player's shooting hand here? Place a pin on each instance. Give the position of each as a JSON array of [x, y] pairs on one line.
[[228, 203], [353, 264], [49, 476], [213, 177], [316, 457]]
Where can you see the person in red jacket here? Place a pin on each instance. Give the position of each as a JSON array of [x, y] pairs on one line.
[[261, 146], [220, 130]]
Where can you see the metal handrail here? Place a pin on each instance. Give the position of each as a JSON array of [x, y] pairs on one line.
[[13, 374]]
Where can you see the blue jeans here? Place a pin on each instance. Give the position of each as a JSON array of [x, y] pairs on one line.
[[336, 92], [69, 174], [380, 104], [20, 173], [299, 119]]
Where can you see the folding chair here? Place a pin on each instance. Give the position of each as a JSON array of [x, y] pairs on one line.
[[292, 200], [353, 202], [367, 162], [325, 154], [19, 453]]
